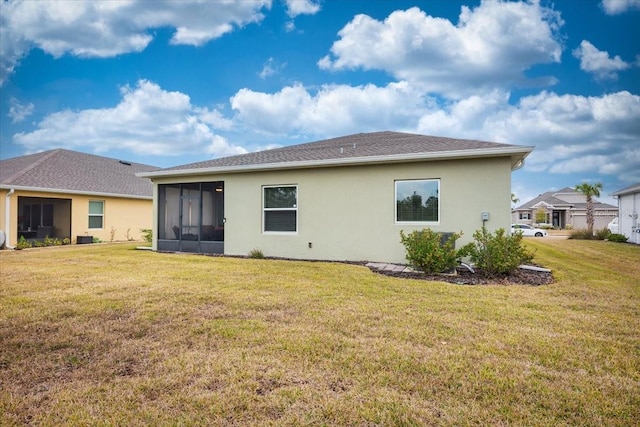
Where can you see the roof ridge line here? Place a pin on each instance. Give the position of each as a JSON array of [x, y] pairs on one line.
[[33, 165]]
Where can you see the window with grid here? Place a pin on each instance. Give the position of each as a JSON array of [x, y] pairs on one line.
[[280, 208], [96, 214]]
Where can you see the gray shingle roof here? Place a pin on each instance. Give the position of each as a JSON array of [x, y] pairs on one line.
[[66, 170], [554, 198], [635, 188], [360, 146]]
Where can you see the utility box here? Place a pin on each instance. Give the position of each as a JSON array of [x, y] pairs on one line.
[[83, 240]]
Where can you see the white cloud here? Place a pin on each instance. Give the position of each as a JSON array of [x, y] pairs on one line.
[[19, 112], [598, 62], [491, 46], [302, 7], [615, 7], [333, 109], [270, 68], [110, 28], [148, 120]]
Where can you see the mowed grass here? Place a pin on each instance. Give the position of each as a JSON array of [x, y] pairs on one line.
[[108, 335]]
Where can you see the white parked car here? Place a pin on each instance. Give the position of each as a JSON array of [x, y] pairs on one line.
[[613, 226], [527, 230]]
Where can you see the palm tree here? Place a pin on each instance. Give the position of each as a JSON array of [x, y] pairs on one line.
[[590, 191]]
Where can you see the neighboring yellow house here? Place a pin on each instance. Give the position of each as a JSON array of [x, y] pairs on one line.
[[344, 198], [71, 195]]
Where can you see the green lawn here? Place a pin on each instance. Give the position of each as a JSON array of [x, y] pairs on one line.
[[108, 335]]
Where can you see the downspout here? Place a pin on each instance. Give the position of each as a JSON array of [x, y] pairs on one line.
[[7, 218]]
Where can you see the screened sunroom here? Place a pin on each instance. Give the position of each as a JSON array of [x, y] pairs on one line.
[[191, 217]]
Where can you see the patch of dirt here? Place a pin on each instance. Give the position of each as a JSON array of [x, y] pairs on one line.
[[464, 277]]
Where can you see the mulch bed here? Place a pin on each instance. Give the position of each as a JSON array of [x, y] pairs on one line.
[[464, 277]]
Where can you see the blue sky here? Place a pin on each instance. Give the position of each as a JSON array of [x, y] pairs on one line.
[[169, 83]]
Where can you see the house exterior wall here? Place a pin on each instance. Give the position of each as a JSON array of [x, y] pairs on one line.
[[628, 221], [120, 213], [348, 213]]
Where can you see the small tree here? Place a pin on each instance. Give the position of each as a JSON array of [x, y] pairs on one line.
[[541, 216], [590, 191]]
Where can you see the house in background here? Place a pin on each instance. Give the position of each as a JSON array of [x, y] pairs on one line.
[[344, 198], [565, 208], [66, 194], [628, 209]]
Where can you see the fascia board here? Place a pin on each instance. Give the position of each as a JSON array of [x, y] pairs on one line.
[[73, 192], [628, 190], [519, 153]]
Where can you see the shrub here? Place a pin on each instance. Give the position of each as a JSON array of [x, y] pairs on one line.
[[602, 234], [580, 234], [96, 240], [583, 234], [23, 243], [426, 251], [256, 254], [618, 238], [147, 234], [497, 253], [50, 241]]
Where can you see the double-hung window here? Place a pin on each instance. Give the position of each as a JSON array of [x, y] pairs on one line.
[[280, 208], [418, 201], [96, 214]]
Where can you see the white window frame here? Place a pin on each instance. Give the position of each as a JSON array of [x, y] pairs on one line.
[[525, 216], [96, 215], [265, 210], [395, 201]]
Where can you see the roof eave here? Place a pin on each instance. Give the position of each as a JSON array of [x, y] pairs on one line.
[[517, 154], [625, 191], [73, 192]]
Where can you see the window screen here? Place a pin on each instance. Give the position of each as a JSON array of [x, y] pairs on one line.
[[280, 207], [418, 200]]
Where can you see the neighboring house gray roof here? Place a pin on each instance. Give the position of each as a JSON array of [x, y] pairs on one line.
[[554, 198], [635, 188], [66, 171], [376, 147]]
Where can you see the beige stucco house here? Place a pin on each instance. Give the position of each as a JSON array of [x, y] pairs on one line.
[[68, 194], [344, 198], [564, 208]]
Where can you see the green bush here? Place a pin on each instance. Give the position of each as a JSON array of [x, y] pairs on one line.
[[23, 243], [426, 251], [496, 254], [147, 234], [618, 238]]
